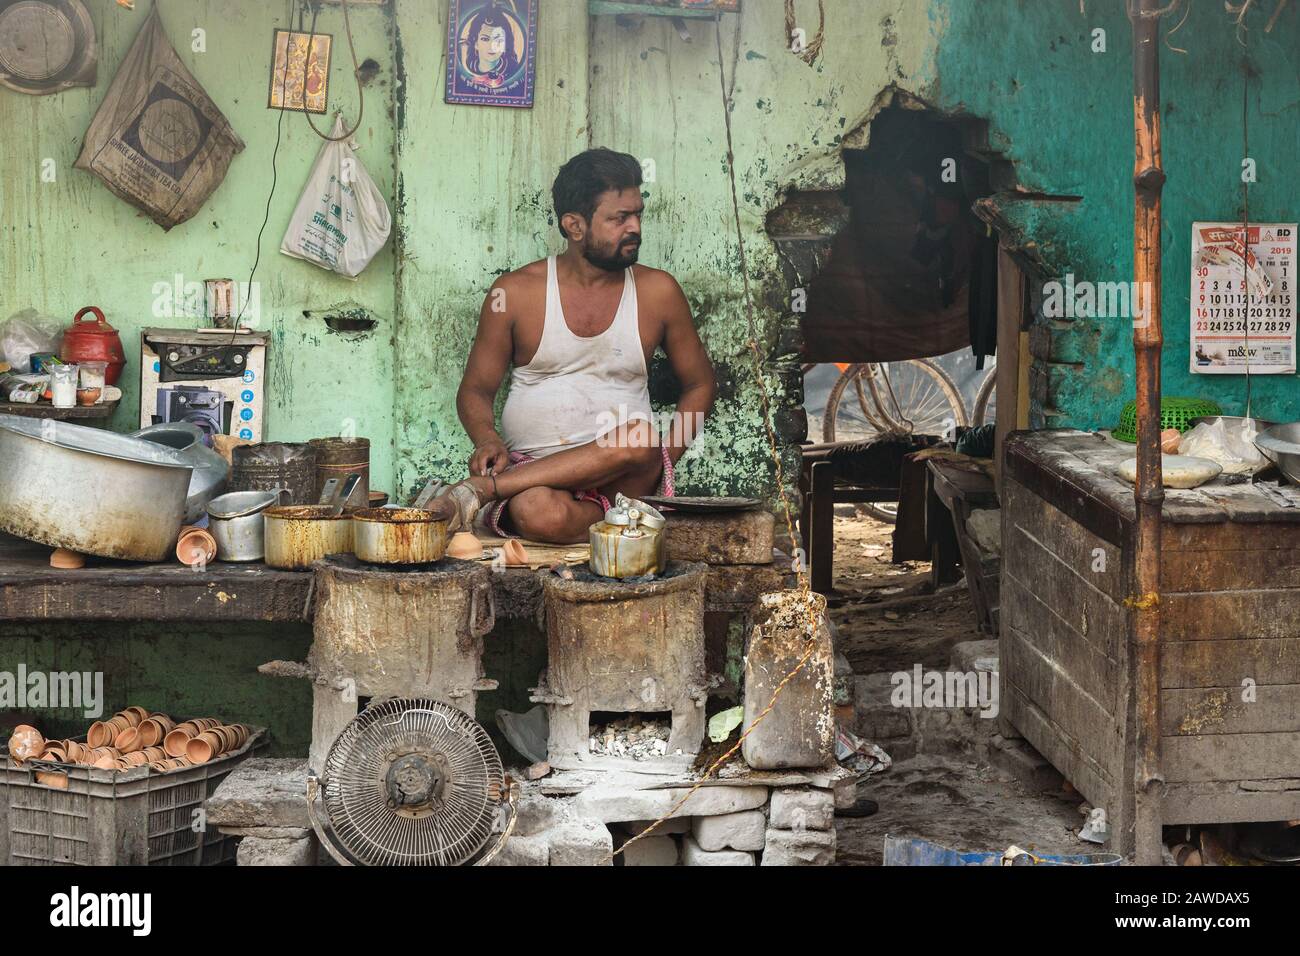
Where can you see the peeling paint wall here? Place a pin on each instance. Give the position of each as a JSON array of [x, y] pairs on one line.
[[469, 188], [1064, 115], [72, 243]]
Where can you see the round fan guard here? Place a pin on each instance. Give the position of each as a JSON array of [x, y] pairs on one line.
[[411, 782]]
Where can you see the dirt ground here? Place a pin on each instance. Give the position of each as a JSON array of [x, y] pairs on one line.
[[888, 619]]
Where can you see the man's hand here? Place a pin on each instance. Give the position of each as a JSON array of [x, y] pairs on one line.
[[490, 458]]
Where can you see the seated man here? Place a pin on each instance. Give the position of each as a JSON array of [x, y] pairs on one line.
[[579, 329]]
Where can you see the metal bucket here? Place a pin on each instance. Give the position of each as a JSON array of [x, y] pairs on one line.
[[273, 465], [340, 457], [235, 523]]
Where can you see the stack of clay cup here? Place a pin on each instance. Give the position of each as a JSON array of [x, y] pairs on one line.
[[200, 740], [134, 738]]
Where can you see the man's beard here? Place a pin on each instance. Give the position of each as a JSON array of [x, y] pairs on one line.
[[616, 260]]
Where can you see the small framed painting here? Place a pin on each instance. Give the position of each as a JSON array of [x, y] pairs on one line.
[[298, 81], [492, 52]]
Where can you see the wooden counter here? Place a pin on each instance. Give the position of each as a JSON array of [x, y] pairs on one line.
[[107, 590], [1230, 634]]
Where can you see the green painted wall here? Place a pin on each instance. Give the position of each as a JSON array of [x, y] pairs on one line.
[[469, 188], [72, 243]]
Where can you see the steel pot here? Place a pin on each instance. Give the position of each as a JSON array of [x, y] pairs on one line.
[[398, 536], [235, 521], [1280, 444], [89, 490], [210, 469], [294, 536]]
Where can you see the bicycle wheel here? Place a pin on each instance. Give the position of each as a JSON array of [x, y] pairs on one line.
[[986, 400], [899, 399]]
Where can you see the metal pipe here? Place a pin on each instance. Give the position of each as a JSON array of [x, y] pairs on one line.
[[1148, 180]]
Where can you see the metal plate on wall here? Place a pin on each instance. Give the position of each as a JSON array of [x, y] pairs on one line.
[[46, 46]]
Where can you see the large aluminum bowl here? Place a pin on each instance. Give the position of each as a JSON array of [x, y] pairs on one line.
[[89, 490], [1280, 444]]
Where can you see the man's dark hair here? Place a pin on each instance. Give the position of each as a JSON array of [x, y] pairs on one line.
[[583, 178]]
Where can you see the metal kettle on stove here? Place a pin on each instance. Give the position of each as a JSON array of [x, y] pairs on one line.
[[629, 543]]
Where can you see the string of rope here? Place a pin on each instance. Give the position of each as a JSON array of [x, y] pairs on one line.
[[800, 571], [356, 72], [813, 49]]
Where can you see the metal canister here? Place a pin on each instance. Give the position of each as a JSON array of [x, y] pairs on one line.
[[629, 543], [271, 465], [340, 457]]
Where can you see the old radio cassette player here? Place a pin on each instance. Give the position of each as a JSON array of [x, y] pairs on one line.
[[213, 379]]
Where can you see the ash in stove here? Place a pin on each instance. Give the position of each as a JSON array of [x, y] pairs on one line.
[[634, 737]]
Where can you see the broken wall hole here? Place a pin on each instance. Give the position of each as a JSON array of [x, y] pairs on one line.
[[892, 265]]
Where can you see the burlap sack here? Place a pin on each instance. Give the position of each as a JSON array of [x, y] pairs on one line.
[[157, 140]]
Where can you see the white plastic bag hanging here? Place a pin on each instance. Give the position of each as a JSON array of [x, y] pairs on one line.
[[341, 220]]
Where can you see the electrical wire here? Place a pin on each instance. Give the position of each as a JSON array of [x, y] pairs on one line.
[[266, 216]]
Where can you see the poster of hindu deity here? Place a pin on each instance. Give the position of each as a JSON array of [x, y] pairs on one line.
[[295, 85], [492, 52]]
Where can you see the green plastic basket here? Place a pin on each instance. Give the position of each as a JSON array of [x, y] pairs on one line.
[[1174, 413]]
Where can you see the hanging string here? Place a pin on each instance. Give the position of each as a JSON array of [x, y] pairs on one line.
[[356, 72]]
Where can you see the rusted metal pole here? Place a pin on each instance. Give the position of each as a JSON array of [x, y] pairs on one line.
[[1148, 180]]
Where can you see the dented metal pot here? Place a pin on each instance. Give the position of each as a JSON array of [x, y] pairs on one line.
[[294, 536], [235, 522], [398, 536], [629, 543]]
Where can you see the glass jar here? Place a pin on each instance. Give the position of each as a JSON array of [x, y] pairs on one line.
[[63, 385]]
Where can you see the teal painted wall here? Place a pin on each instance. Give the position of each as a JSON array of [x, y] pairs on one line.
[[1064, 115]]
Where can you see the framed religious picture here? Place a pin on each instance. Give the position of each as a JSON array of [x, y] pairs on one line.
[[300, 82], [492, 52]]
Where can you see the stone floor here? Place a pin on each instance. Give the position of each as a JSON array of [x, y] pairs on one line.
[[955, 780]]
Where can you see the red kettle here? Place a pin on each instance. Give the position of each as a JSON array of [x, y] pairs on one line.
[[94, 341]]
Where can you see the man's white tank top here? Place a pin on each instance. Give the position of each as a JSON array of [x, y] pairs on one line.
[[577, 388]]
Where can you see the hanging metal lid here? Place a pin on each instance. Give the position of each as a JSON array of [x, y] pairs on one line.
[[46, 46]]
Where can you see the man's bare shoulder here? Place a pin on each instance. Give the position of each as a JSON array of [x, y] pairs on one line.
[[656, 282], [523, 277]]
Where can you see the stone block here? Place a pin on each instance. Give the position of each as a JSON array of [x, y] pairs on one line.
[[536, 814], [1026, 764], [258, 851], [845, 793], [581, 843], [970, 657], [675, 825], [731, 831], [617, 804], [262, 792], [524, 851], [694, 855], [799, 848], [651, 851], [802, 809], [735, 588], [734, 537]]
